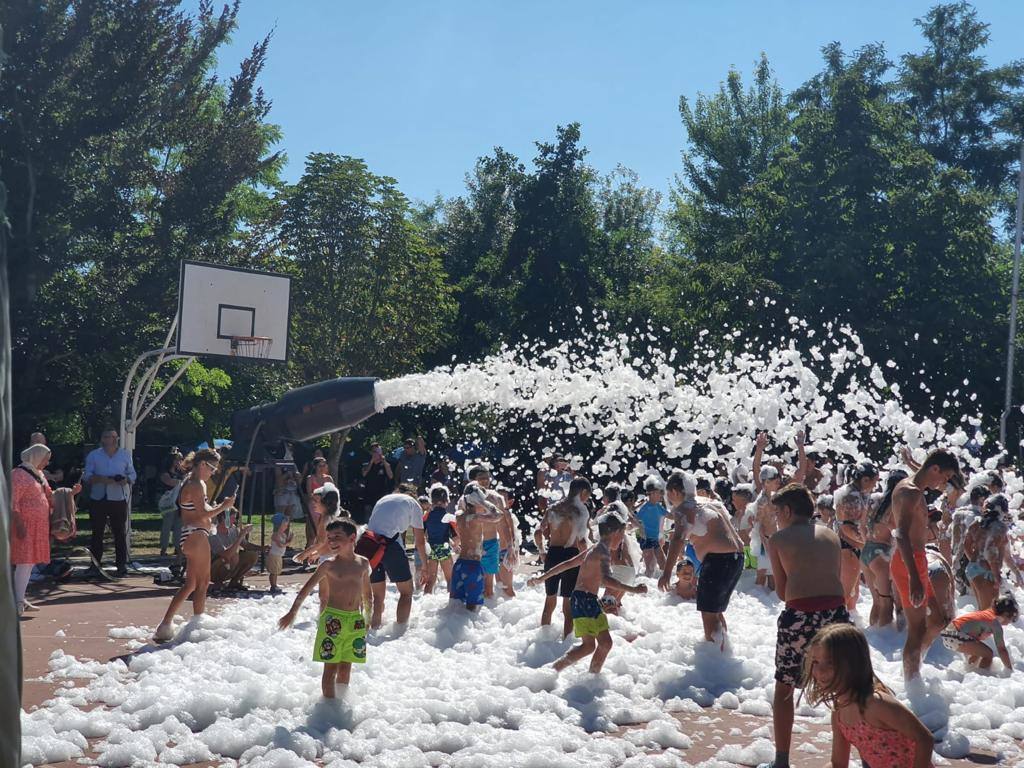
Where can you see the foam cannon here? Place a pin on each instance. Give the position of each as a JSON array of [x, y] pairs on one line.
[[309, 412]]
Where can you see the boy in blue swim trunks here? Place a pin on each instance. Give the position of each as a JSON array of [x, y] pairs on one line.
[[341, 628], [589, 622], [652, 514], [477, 517], [490, 558]]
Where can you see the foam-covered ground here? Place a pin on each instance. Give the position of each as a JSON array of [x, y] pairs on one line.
[[466, 690]]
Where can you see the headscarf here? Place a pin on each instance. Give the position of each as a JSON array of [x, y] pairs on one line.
[[33, 456]]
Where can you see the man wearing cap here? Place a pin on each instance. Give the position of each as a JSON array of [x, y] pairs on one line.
[[412, 460]]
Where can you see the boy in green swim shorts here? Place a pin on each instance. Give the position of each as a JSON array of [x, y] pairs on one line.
[[589, 622], [341, 629]]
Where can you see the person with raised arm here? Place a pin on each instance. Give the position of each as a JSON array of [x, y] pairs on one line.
[[476, 518], [196, 529], [590, 623]]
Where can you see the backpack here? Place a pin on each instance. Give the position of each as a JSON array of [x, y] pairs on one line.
[[63, 525], [169, 499], [372, 546]]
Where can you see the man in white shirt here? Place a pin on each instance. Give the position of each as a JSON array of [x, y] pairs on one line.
[[392, 516], [109, 473]]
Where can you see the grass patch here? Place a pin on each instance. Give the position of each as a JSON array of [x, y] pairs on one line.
[[146, 524]]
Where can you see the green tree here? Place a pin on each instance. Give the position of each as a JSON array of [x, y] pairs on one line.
[[553, 260], [473, 236], [370, 295], [968, 114], [123, 153]]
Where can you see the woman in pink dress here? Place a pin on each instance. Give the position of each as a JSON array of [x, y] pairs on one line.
[[31, 502]]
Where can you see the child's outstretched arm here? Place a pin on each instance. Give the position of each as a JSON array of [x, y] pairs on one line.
[[367, 594], [897, 717], [607, 580], [287, 620], [564, 566], [840, 746]]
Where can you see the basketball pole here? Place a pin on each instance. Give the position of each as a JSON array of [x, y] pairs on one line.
[[1011, 346], [140, 409]]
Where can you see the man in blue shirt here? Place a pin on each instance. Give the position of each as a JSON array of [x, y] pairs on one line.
[[110, 474]]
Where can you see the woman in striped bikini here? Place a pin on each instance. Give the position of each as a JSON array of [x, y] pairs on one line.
[[196, 517]]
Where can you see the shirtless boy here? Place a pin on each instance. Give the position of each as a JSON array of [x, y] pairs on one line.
[[909, 567], [566, 526], [767, 480], [589, 621], [477, 518], [806, 562], [341, 629], [718, 548]]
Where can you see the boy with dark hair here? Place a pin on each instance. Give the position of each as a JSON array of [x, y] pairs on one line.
[[909, 566], [566, 525], [806, 561], [588, 619], [341, 628]]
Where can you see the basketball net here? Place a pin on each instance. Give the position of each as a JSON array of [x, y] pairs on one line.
[[251, 346]]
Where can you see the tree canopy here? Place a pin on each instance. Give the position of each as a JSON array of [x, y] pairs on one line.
[[876, 193]]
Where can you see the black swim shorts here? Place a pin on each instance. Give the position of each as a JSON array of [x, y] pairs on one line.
[[564, 583], [394, 564], [719, 574]]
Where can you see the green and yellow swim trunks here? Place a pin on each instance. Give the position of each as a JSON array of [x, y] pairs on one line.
[[588, 620], [749, 559], [340, 637]]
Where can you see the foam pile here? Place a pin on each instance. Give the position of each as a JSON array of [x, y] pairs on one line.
[[463, 690]]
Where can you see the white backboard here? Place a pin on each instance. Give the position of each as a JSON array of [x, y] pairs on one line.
[[217, 302]]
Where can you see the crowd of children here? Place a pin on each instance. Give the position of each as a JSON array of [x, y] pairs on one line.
[[812, 535]]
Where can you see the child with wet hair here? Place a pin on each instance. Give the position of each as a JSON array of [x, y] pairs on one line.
[[865, 714], [589, 621], [967, 633], [824, 509], [686, 580]]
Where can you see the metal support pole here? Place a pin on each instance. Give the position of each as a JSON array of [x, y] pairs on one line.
[[1011, 346]]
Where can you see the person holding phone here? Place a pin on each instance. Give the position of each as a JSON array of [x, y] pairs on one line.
[[109, 473], [378, 480]]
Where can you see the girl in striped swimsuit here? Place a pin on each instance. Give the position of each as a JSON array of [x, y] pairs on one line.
[[196, 517]]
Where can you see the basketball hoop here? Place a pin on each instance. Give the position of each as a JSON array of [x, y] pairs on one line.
[[251, 346]]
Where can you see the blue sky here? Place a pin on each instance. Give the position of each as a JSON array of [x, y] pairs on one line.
[[421, 89]]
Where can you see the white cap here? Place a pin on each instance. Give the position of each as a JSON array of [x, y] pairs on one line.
[[476, 496], [327, 487]]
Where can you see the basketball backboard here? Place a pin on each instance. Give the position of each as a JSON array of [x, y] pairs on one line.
[[233, 312]]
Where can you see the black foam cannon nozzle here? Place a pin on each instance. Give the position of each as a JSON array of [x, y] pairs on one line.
[[309, 412]]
